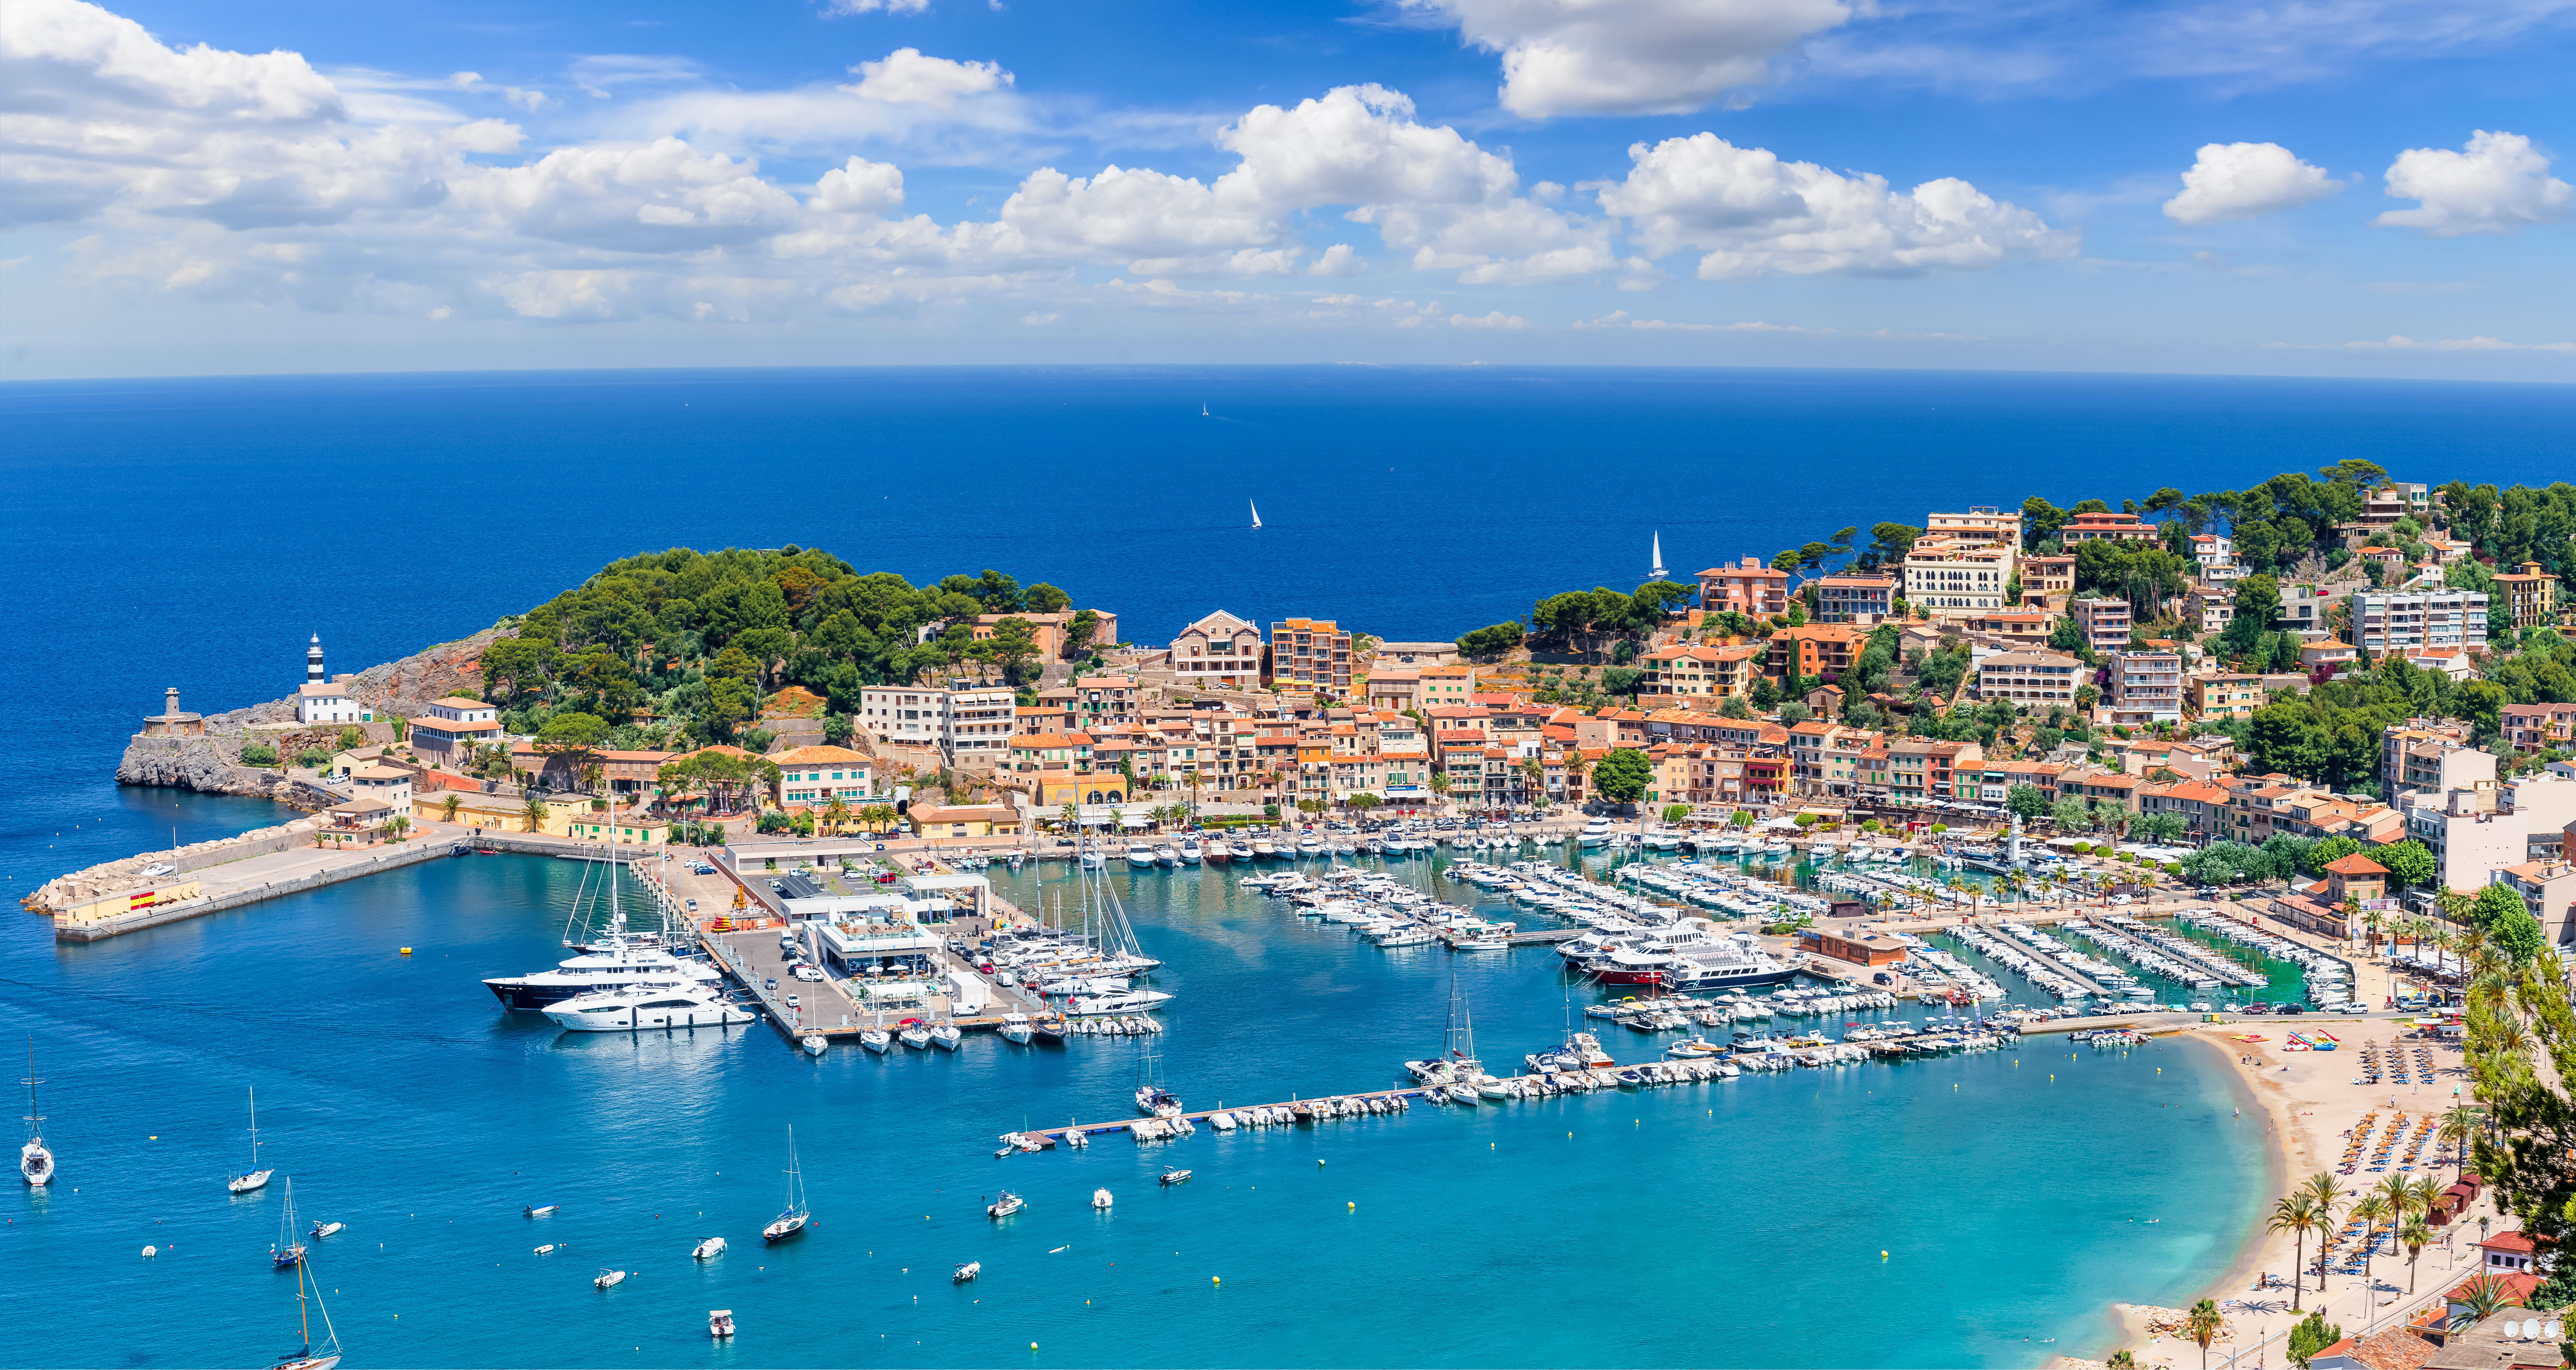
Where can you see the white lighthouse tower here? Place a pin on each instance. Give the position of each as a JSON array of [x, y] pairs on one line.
[[313, 663]]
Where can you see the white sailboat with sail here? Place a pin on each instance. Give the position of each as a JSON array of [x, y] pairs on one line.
[[35, 1163], [308, 1356], [1256, 516], [791, 1219], [253, 1178], [1659, 573]]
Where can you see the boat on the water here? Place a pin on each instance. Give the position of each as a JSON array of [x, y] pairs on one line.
[[1005, 1206], [649, 1005], [35, 1163], [540, 1210], [322, 1229], [1101, 1199], [968, 1271], [286, 1250], [876, 1040], [791, 1219], [814, 1043], [307, 1356], [915, 1036], [1017, 1028], [1175, 1175], [607, 1278], [253, 1178], [719, 1323], [709, 1249], [946, 1036], [1138, 854]]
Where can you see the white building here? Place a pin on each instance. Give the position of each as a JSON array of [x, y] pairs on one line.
[[2145, 688], [2486, 827], [1219, 651], [2383, 624], [323, 700], [970, 724], [389, 784], [452, 722], [815, 776]]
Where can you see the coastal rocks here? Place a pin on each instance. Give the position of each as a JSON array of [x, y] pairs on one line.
[[126, 872], [204, 764]]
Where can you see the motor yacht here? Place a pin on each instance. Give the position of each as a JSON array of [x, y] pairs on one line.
[[635, 1008], [1138, 854], [1125, 1001], [1310, 847], [1262, 850], [1239, 850], [594, 973], [1016, 1028], [1191, 853], [1595, 833]]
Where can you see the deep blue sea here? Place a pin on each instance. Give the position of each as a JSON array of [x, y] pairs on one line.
[[193, 533]]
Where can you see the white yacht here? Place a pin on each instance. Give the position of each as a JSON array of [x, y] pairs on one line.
[[1138, 854], [946, 1036], [916, 1037], [634, 1008], [1191, 854], [1091, 860], [1164, 855], [1262, 849], [253, 1178], [35, 1163], [1595, 833], [1125, 1001], [594, 973], [1310, 847], [1017, 1028]]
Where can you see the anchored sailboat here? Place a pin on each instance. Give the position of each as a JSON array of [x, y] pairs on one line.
[[286, 1251], [791, 1219], [1659, 573], [35, 1163], [253, 1178], [309, 1285], [1256, 515]]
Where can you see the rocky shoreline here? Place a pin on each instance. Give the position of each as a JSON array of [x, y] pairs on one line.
[[212, 764]]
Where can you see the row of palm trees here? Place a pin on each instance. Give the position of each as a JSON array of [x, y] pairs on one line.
[[2398, 1202], [2455, 939]]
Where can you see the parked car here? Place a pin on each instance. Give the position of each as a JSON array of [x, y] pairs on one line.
[[787, 941], [155, 872], [791, 1002], [693, 906], [808, 973], [773, 983]]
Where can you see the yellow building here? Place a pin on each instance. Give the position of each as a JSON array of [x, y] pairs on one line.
[[2227, 696], [649, 832], [2530, 594], [504, 813]]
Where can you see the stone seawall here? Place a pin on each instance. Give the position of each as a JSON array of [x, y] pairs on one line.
[[125, 873], [394, 858]]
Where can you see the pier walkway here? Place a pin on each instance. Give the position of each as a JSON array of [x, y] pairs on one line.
[[1197, 1116], [2047, 962]]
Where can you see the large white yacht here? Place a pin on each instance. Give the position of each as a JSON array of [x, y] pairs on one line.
[[1138, 854], [1595, 833], [598, 973], [635, 1008]]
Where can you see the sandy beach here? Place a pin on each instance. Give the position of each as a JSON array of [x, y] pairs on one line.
[[2311, 1102]]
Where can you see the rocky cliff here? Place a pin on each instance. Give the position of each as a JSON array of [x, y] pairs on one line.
[[211, 764]]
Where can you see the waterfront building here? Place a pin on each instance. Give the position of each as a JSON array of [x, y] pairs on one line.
[[2104, 621], [1860, 599], [965, 820], [815, 776], [1310, 655], [2144, 688], [2226, 695], [2529, 596], [173, 721], [1055, 769], [2387, 624], [451, 726], [2039, 680], [1981, 524], [2526, 727], [329, 702], [389, 785], [1219, 652], [628, 829], [2106, 527], [2202, 804], [1752, 589], [1957, 577]]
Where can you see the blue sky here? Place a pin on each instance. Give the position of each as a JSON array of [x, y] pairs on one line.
[[2346, 187]]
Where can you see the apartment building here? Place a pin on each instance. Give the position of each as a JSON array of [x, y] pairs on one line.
[[2539, 727], [1104, 701], [2040, 680], [815, 776], [1220, 652], [2104, 622], [2106, 527], [1815, 649], [2548, 889], [1957, 578], [1752, 588], [2143, 688], [1310, 655], [2488, 826], [2226, 696], [1992, 526], [2020, 627], [1855, 599], [2438, 765], [1824, 758], [2530, 595], [2410, 621], [2308, 610], [969, 723], [2201, 803], [1454, 683], [2397, 737], [2210, 608], [2048, 580], [1700, 672]]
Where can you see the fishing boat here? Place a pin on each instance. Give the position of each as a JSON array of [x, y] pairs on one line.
[[946, 1036], [608, 1279], [719, 1323], [708, 1250], [791, 1219], [253, 1178], [815, 1043], [307, 1356], [1005, 1206], [1175, 1175], [35, 1163], [286, 1250], [322, 1229], [1101, 1199], [1016, 1028], [968, 1271]]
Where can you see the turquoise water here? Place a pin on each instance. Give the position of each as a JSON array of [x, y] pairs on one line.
[[1725, 1224]]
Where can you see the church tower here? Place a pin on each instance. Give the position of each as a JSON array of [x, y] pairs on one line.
[[313, 662]]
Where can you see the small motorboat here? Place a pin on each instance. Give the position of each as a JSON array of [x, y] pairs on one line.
[[946, 1036], [876, 1040], [1100, 1199], [541, 1210], [719, 1323], [546, 1250], [1076, 1138], [815, 1043], [1015, 1029], [609, 1279], [322, 1229], [709, 1249], [968, 1271], [916, 1037], [1175, 1176], [1005, 1206], [1053, 1029]]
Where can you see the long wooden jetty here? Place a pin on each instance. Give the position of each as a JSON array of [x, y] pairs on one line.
[[1202, 1115]]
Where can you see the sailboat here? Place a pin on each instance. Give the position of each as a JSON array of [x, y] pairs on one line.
[[1256, 516], [1659, 573], [35, 1163], [791, 1219], [308, 1356], [253, 1178], [286, 1251], [1151, 1097], [1203, 413]]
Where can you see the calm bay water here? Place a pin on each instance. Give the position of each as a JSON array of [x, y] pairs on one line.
[[1732, 1224], [192, 533]]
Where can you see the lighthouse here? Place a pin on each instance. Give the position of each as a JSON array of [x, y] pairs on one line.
[[313, 662]]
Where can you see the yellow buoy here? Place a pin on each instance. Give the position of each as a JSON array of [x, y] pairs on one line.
[[1216, 1279], [1352, 1205], [1882, 1255], [406, 951]]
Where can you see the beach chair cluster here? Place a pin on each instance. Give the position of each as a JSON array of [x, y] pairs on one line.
[[2394, 1067], [2401, 1144]]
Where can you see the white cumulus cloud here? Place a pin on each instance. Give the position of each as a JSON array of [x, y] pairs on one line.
[[2500, 183], [1631, 56], [2243, 180], [905, 77], [877, 7], [1753, 214]]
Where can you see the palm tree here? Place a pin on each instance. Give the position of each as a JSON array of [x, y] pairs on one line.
[[2416, 1235], [2458, 1126], [2201, 1324], [1071, 817], [835, 814], [534, 811], [2373, 1209], [2297, 1214], [447, 807], [2485, 1297]]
